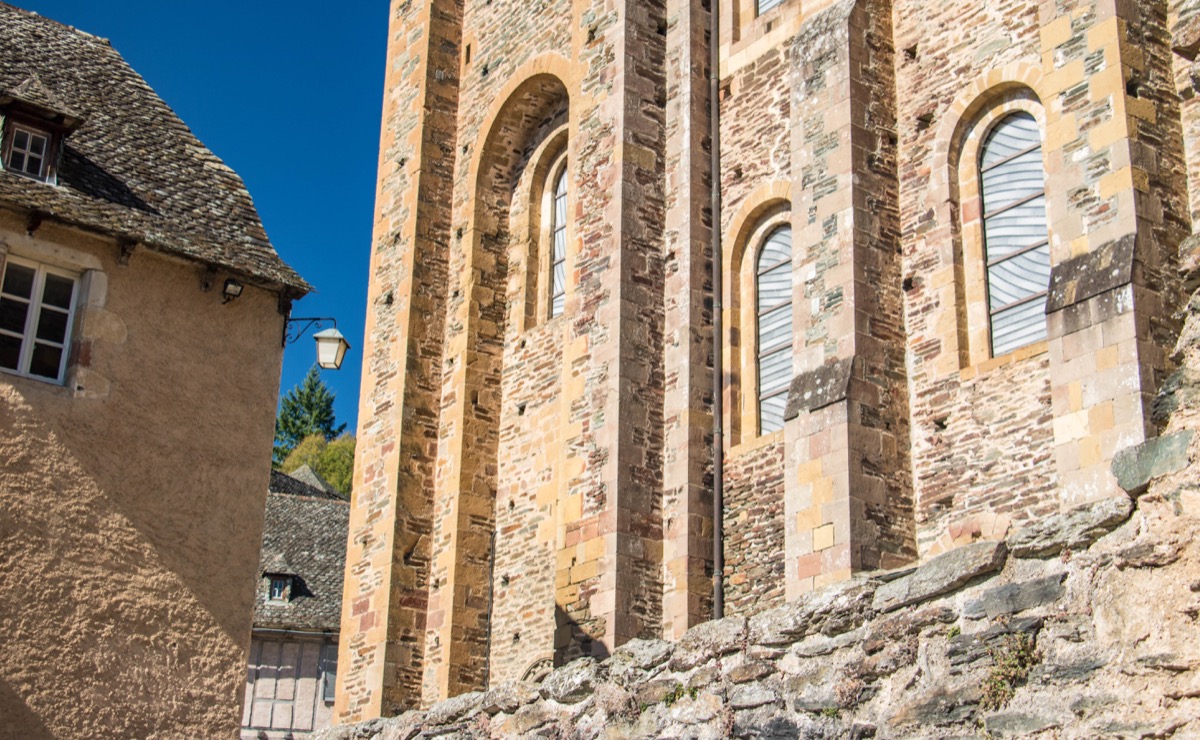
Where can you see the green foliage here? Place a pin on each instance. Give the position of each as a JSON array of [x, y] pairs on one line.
[[333, 461], [953, 632], [1011, 666], [304, 411], [831, 712]]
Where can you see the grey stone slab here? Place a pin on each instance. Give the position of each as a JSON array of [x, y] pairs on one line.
[[1134, 467], [943, 574], [1017, 724], [1075, 529], [573, 682], [1015, 598], [829, 611], [454, 709], [710, 640]]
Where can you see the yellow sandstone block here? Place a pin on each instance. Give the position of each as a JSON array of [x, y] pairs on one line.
[[823, 538], [810, 518], [1056, 33]]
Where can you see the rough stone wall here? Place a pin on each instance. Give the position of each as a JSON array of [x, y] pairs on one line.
[[754, 530], [133, 500], [1048, 634]]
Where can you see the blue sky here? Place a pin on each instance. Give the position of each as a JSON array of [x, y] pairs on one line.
[[289, 95]]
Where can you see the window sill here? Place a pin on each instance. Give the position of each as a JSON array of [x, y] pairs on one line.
[[992, 364], [44, 384], [764, 440]]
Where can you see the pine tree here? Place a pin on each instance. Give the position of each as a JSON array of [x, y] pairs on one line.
[[304, 411]]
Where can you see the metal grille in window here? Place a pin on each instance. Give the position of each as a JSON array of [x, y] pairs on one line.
[[773, 286], [1016, 238], [28, 153], [36, 313], [765, 5], [558, 237]]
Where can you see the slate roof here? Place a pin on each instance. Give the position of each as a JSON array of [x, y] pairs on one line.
[[132, 170], [305, 537]]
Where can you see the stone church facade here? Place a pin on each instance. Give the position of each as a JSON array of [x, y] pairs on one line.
[[951, 256]]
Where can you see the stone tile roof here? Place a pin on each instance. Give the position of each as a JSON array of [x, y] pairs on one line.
[[133, 169], [303, 482], [304, 537]]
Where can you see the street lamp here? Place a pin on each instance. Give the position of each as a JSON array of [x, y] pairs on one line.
[[331, 344]]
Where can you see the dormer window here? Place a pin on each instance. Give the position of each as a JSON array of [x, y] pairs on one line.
[[280, 586], [28, 152]]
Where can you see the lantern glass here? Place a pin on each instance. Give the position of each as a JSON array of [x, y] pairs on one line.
[[331, 349]]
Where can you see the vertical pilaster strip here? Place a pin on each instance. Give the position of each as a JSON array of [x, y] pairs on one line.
[[687, 525], [387, 559]]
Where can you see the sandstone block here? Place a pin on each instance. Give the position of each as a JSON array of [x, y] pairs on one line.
[[943, 574], [1075, 529]]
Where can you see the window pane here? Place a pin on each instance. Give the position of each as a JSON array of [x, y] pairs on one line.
[[18, 281], [765, 5], [1015, 133], [52, 326], [46, 361], [37, 146], [557, 305], [1016, 179], [560, 245], [1019, 277], [20, 140], [770, 413], [58, 291], [1018, 327], [560, 279], [777, 249], [775, 287], [1015, 229], [775, 329], [13, 315], [10, 352], [775, 372]]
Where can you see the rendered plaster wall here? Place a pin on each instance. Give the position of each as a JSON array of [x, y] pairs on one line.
[[133, 501]]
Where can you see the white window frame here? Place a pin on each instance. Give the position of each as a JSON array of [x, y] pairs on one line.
[[986, 215], [32, 133], [557, 291], [763, 6], [786, 348], [28, 338], [283, 592]]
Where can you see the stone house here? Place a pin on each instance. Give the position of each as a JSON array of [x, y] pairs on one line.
[[949, 273], [292, 672], [137, 400]]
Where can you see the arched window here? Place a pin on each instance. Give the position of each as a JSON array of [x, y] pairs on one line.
[[1016, 238], [773, 288], [558, 240]]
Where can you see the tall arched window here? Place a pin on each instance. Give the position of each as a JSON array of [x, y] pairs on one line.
[[1016, 238], [773, 287], [558, 240]]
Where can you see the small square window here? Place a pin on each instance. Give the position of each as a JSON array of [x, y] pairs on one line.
[[279, 588], [37, 312], [29, 152]]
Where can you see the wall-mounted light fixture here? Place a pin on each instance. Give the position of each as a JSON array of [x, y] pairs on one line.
[[331, 344], [232, 289]]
